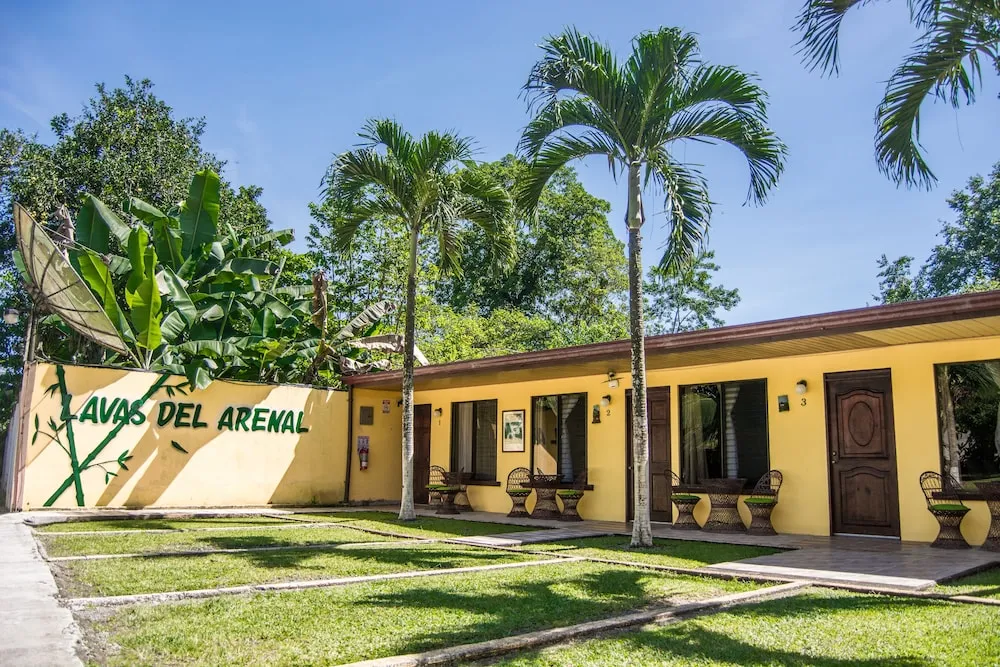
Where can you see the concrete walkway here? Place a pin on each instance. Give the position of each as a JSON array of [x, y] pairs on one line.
[[34, 628]]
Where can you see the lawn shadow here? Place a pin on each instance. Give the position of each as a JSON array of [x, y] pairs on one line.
[[987, 583], [520, 608], [694, 641]]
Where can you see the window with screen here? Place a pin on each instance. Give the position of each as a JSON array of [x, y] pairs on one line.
[[474, 439], [559, 435], [968, 399], [724, 431]]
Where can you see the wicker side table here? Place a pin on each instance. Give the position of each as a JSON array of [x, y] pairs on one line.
[[991, 492], [724, 515], [570, 499], [545, 487]]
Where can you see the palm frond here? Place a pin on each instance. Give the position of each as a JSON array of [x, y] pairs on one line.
[[564, 114], [553, 155], [688, 205], [389, 134], [945, 63], [764, 152], [819, 23]]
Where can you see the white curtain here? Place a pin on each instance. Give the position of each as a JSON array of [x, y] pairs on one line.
[[732, 460], [463, 437]]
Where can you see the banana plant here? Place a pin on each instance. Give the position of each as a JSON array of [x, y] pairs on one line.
[[192, 299]]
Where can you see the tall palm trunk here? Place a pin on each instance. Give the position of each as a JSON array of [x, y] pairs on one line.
[[406, 512], [642, 531]]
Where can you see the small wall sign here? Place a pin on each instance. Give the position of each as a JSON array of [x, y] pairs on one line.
[[385, 406], [783, 405], [366, 417], [513, 430]]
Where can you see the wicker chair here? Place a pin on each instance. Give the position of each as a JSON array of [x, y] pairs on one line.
[[519, 488], [947, 507], [571, 498], [685, 503], [462, 503], [436, 478], [761, 503]]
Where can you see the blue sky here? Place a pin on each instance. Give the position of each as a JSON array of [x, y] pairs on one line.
[[284, 86]]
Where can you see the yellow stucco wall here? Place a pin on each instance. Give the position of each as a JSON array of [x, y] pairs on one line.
[[383, 480], [797, 445], [222, 467]]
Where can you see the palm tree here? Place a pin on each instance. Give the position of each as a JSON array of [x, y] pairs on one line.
[[635, 113], [430, 186], [945, 63]]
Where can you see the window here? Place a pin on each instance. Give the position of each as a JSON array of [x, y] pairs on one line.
[[724, 431], [968, 399], [559, 435], [474, 439]]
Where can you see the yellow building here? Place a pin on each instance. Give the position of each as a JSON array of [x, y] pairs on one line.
[[851, 407]]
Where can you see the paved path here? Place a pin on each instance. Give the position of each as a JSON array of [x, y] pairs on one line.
[[34, 628], [530, 537]]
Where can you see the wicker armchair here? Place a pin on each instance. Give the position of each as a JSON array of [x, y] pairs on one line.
[[571, 498], [436, 478], [685, 503], [519, 488], [944, 503], [761, 503]]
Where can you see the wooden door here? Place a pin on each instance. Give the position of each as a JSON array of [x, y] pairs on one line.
[[658, 418], [862, 453], [421, 452]]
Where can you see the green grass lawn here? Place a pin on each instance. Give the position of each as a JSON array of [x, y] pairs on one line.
[[423, 526], [336, 625], [175, 573], [673, 553], [985, 584], [825, 628], [156, 524], [130, 543]]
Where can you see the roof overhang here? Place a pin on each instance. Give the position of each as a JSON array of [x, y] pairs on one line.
[[945, 318]]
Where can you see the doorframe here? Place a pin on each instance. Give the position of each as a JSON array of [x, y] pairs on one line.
[[890, 430], [629, 483]]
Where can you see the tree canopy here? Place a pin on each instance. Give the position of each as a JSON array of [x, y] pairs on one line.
[[968, 257]]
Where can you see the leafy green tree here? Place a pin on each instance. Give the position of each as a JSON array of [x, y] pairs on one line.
[[957, 38], [968, 257], [570, 267], [428, 185], [686, 299], [633, 114], [125, 142]]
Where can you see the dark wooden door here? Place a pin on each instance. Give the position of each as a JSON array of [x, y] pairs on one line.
[[658, 418], [862, 451], [421, 452]]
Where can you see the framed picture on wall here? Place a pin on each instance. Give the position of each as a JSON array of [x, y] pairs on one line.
[[513, 430]]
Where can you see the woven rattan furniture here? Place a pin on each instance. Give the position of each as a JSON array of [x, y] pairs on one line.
[[571, 498], [944, 503], [519, 488], [761, 503], [685, 502], [991, 493], [724, 515], [446, 497], [545, 487], [460, 479], [435, 478]]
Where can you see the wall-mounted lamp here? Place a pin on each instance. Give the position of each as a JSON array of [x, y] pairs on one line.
[[605, 401], [399, 402], [612, 380], [438, 412], [11, 316], [801, 387]]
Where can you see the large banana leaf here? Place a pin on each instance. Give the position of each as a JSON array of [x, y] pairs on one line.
[[200, 214], [179, 296], [368, 317], [93, 270], [393, 343], [167, 240], [95, 222], [144, 301], [148, 213]]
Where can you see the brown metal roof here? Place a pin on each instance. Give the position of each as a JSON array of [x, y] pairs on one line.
[[972, 315]]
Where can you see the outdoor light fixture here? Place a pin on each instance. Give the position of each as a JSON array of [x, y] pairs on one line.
[[605, 401], [438, 412], [801, 387], [11, 316]]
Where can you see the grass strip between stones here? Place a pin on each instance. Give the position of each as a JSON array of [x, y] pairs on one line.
[[292, 585]]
